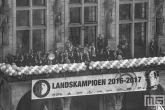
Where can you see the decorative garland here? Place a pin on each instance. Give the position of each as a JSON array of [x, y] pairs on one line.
[[13, 70]]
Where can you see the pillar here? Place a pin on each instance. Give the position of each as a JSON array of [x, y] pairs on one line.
[[65, 103], [115, 100]]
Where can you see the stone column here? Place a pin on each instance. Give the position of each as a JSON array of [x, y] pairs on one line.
[[108, 7], [65, 103], [159, 20], [115, 100]]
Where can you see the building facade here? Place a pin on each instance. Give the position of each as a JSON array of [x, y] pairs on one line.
[[47, 24], [44, 25]]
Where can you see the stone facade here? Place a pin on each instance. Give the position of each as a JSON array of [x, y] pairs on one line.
[[50, 36]]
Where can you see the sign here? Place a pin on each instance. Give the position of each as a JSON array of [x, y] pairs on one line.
[[154, 101], [88, 85]]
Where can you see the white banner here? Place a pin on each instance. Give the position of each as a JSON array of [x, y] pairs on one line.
[[88, 85]]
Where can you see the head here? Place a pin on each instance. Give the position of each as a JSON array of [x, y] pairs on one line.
[[50, 51], [31, 51], [152, 40], [17, 54], [92, 44], [66, 51]]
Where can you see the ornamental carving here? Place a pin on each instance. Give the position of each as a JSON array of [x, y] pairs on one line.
[[4, 22], [108, 6], [65, 101], [116, 100], [159, 16], [57, 11]]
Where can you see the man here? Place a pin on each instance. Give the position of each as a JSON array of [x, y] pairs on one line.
[[58, 57], [85, 56], [68, 45], [32, 58], [66, 57], [152, 48], [93, 52], [77, 56], [107, 54], [71, 56], [100, 43]]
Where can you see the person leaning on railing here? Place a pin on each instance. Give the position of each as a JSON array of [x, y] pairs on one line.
[[75, 55]]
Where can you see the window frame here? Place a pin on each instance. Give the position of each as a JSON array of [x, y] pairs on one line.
[[32, 27], [132, 21], [82, 23]]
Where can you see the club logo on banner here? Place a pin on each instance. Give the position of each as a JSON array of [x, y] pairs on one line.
[[88, 85], [41, 88]]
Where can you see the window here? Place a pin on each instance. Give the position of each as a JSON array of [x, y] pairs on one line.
[[90, 14], [22, 41], [89, 1], [75, 1], [22, 18], [75, 35], [22, 3], [83, 21], [125, 12], [38, 2], [132, 27], [140, 10], [31, 25], [75, 15], [90, 34], [38, 17]]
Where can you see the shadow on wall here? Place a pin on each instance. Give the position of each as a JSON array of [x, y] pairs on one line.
[[42, 104]]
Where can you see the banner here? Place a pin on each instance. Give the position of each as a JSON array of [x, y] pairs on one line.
[[88, 85]]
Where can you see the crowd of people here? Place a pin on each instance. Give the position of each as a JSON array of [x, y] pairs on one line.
[[72, 54]]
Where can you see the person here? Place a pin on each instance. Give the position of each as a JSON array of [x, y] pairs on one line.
[[22, 60], [77, 56], [65, 57], [68, 45], [85, 57], [102, 55], [58, 57], [9, 59], [39, 58], [17, 60], [107, 54], [32, 58], [93, 52], [44, 59], [152, 48], [26, 59], [100, 43], [112, 54], [71, 56], [119, 53]]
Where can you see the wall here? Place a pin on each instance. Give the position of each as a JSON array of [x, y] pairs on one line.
[[51, 30], [18, 90], [131, 100], [4, 95], [8, 49]]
